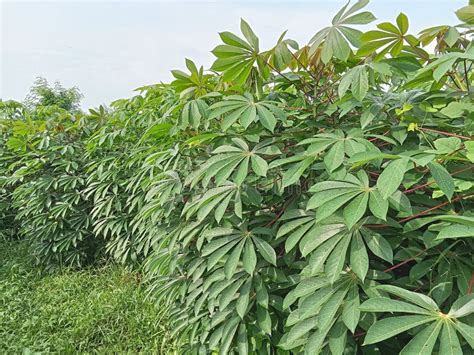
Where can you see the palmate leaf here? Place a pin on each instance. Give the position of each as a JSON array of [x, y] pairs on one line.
[[246, 111], [439, 68], [336, 39], [236, 247], [389, 327], [214, 200], [195, 84], [300, 229], [232, 162], [330, 196], [427, 312], [324, 312], [389, 37], [325, 245], [192, 114], [391, 177], [280, 57], [337, 146], [357, 79], [237, 57]]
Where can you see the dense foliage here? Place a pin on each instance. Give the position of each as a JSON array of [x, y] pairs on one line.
[[292, 198]]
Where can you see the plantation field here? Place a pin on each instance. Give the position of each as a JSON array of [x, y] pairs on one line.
[[100, 310], [299, 199]]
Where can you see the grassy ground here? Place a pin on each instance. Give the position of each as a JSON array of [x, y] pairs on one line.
[[99, 311]]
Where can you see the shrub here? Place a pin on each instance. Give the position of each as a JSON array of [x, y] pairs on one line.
[[331, 186], [45, 183]]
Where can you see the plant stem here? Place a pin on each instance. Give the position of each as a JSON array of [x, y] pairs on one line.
[[396, 266], [444, 133]]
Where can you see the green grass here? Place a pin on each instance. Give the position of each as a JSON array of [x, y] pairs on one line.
[[96, 311]]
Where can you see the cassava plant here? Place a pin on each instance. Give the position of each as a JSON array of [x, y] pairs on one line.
[[286, 200], [332, 185], [43, 175]]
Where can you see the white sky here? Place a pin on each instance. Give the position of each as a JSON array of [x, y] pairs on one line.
[[109, 48]]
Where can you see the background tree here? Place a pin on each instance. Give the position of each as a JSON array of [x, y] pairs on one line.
[[44, 94]]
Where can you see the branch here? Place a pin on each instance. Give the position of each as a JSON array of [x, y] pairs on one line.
[[471, 284], [466, 77], [443, 133], [396, 266], [419, 187], [422, 213]]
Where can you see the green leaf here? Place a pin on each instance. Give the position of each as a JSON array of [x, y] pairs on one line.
[[384, 304], [241, 172], [315, 341], [462, 307], [301, 329], [355, 210], [319, 256], [359, 260], [336, 260], [216, 244], [351, 312], [265, 250], [259, 165], [378, 245], [470, 150], [333, 205], [228, 335], [456, 231], [248, 116], [443, 179], [263, 319], [318, 235], [466, 14], [337, 338], [330, 308], [414, 297], [242, 340], [249, 259], [360, 83], [378, 205], [391, 177], [389, 327], [466, 331], [249, 34], [447, 145], [243, 299], [310, 285], [229, 293], [402, 22], [233, 259], [456, 109], [449, 341], [335, 156], [266, 117], [292, 175], [424, 341]]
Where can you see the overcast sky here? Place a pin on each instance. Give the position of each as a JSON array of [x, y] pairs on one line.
[[109, 48]]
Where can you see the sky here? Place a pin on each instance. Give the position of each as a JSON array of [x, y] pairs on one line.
[[109, 48]]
